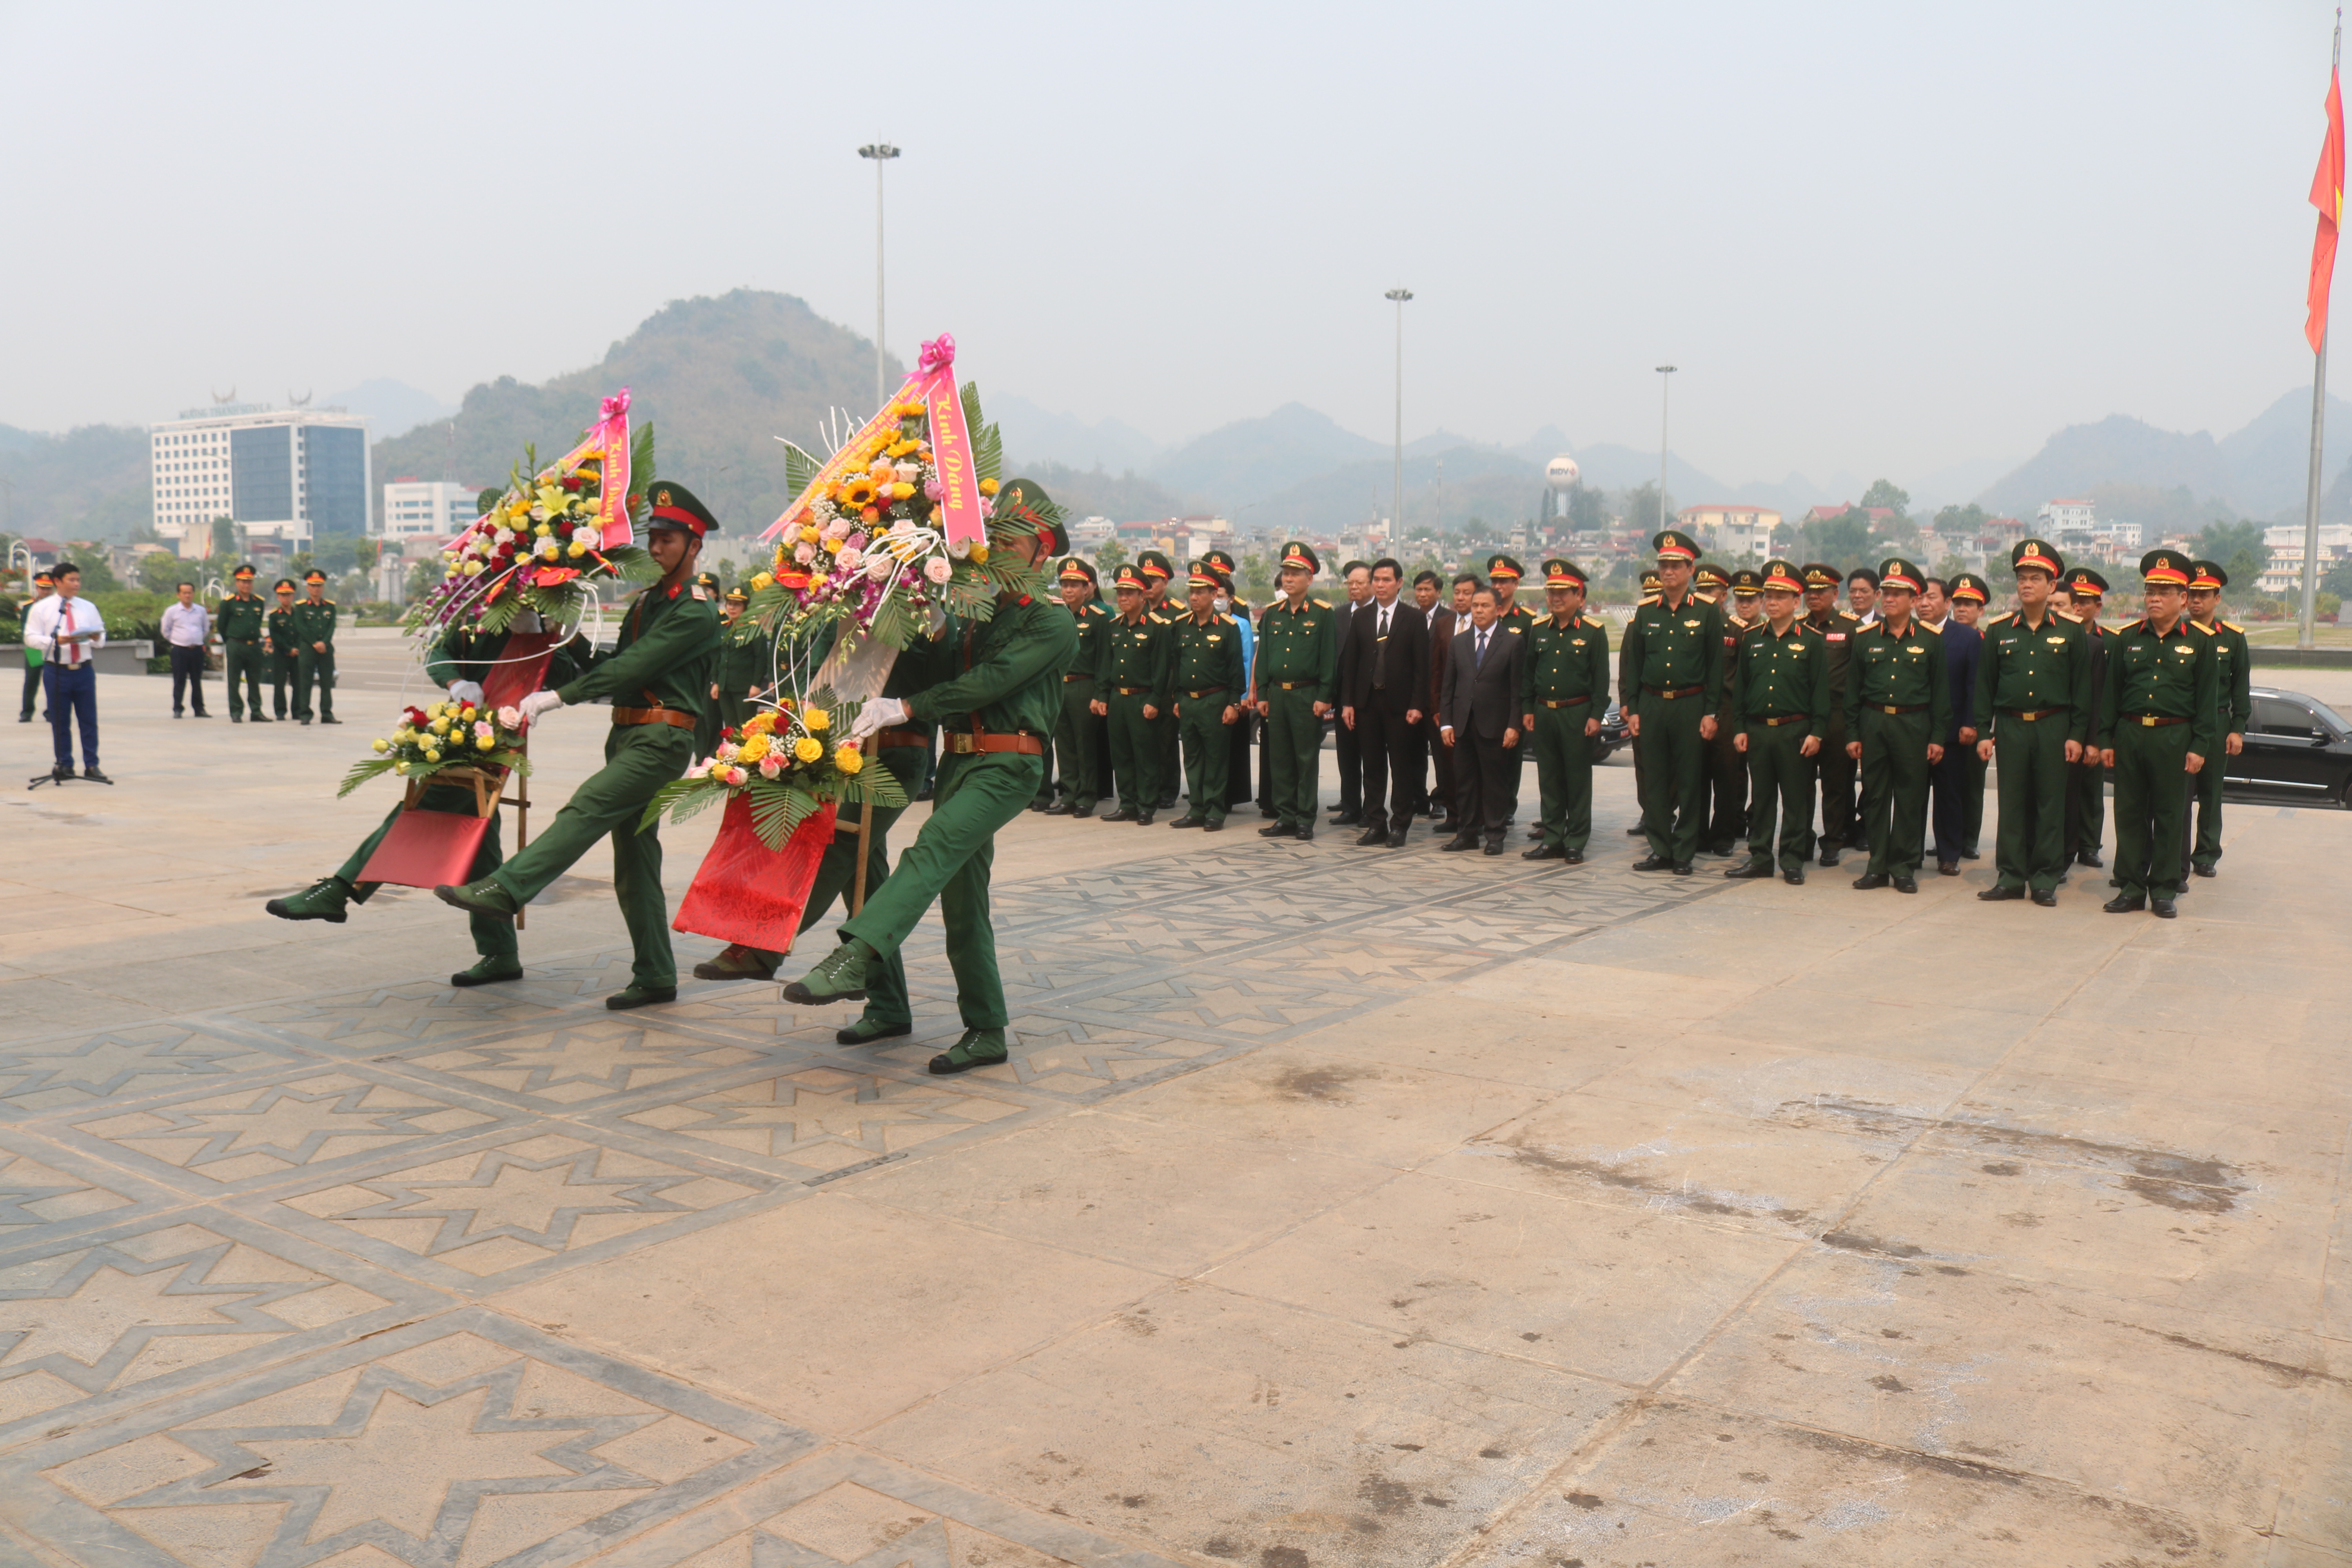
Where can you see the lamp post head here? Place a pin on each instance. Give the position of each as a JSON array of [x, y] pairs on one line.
[[1398, 295], [1666, 370], [878, 150]]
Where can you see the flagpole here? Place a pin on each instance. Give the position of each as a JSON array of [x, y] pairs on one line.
[[2309, 637]]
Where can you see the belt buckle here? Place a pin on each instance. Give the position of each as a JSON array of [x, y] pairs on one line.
[[959, 743], [2147, 720], [2030, 718]]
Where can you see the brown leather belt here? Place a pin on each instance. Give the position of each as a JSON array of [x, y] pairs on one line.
[[963, 742], [1680, 691], [1079, 675], [1783, 719], [1130, 691], [1295, 685], [1205, 691], [1890, 708], [886, 738], [671, 716], [2031, 717], [2153, 721], [1564, 702]]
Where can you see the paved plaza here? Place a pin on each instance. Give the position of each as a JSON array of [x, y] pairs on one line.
[[1337, 1207]]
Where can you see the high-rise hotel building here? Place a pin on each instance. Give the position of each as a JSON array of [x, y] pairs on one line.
[[298, 475]]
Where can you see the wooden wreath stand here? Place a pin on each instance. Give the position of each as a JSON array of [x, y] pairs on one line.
[[427, 848]]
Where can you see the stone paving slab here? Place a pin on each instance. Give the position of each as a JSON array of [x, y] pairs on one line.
[[1339, 1208]]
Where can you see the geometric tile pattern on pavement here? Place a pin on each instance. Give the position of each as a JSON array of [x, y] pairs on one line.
[[237, 1248]]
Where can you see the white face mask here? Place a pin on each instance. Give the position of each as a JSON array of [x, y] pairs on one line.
[[1223, 605]]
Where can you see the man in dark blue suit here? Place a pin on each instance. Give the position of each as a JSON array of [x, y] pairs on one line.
[[1947, 781]]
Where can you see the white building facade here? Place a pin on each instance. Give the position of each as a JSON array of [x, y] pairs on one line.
[[295, 475], [424, 509]]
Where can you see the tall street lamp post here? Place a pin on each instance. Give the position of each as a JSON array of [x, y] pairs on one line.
[[1665, 373], [881, 153], [1396, 515]]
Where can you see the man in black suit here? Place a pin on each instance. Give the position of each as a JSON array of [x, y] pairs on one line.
[[1443, 622], [1381, 681], [1346, 750], [1478, 718]]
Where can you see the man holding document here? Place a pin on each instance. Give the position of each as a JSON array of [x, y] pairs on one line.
[[66, 629]]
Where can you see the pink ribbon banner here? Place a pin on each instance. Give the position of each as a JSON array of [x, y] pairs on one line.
[[933, 385]]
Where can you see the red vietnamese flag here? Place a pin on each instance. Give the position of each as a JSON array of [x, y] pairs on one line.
[[2327, 196]]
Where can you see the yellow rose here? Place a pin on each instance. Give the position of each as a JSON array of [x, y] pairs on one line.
[[384, 745], [432, 756], [577, 549], [834, 545], [809, 534], [760, 723], [716, 768], [755, 746], [439, 726], [980, 554], [901, 489], [814, 720], [988, 487], [544, 530], [466, 713], [808, 748], [763, 580], [400, 767], [847, 759], [484, 743]]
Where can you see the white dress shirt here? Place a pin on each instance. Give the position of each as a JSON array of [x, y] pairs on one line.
[[54, 616], [186, 625]]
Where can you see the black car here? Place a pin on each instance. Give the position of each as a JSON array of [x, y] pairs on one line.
[[2297, 749], [1612, 735]]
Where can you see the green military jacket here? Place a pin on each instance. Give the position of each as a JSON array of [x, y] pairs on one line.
[[1518, 618], [2026, 669], [1565, 662], [1837, 629], [462, 655], [2172, 675], [1141, 652], [1298, 647], [1734, 628], [312, 623], [1908, 671], [667, 648], [243, 617], [1006, 672], [2237, 673], [1092, 623], [1209, 656], [280, 631], [1777, 677], [1672, 649]]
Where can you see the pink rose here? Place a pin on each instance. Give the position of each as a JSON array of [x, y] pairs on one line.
[[738, 777], [769, 767], [931, 490], [849, 559], [938, 570], [511, 717], [805, 552]]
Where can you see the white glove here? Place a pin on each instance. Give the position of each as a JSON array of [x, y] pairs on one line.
[[539, 702], [467, 691], [879, 714]]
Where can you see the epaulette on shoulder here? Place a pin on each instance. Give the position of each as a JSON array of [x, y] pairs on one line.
[[2004, 615], [1650, 600], [2068, 616], [2208, 631], [2231, 626], [1322, 604], [1848, 615], [1231, 620]]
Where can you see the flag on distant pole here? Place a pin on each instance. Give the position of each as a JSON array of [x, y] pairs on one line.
[[2327, 196]]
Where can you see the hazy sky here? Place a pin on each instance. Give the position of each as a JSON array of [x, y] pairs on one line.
[[1884, 238]]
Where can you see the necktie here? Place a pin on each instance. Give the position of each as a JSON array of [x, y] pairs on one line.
[[73, 650], [1381, 652], [1479, 661]]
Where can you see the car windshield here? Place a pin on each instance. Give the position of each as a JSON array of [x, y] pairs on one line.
[[2327, 715]]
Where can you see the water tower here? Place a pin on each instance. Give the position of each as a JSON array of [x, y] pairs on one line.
[[1561, 475]]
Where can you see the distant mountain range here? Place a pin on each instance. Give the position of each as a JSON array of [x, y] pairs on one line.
[[722, 378]]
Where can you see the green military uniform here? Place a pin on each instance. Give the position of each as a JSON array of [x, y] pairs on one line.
[[2086, 791], [1734, 593], [657, 679], [1006, 681], [1565, 683], [1209, 680], [1157, 573], [745, 664], [242, 622], [1627, 686], [1779, 699], [2235, 679], [2033, 695], [314, 664], [1077, 732], [455, 655], [277, 652], [1239, 786], [1297, 667], [2163, 704], [1898, 700], [1135, 668], [1673, 654], [1834, 767]]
